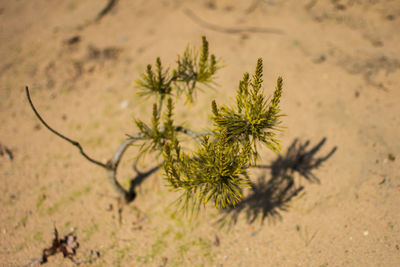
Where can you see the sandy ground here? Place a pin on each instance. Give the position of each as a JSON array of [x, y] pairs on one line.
[[332, 200]]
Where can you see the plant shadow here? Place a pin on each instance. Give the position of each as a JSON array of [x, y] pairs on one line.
[[268, 198], [138, 180]]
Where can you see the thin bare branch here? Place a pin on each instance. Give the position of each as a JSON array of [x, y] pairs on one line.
[[229, 30], [112, 177], [195, 135], [113, 166], [114, 161], [110, 5], [74, 143]]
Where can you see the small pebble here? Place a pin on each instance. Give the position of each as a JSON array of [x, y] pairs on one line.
[[365, 233], [125, 104]]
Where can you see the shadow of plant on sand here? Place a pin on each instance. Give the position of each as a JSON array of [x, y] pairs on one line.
[[139, 179], [268, 198]]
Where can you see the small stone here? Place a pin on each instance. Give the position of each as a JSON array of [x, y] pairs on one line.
[[125, 104], [365, 233], [391, 157]]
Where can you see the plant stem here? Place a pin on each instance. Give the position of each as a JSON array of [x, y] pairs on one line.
[[74, 143], [195, 135], [111, 166]]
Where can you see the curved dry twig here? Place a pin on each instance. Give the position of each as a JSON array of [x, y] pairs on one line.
[[110, 5], [114, 161], [111, 166], [74, 143], [229, 30]]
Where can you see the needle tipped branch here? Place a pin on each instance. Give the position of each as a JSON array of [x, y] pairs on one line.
[[254, 119]]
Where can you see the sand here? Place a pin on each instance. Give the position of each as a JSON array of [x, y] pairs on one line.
[[333, 199]]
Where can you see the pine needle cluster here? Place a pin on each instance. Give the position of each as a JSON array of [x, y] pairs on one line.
[[155, 136], [193, 67], [254, 119], [217, 171], [155, 83]]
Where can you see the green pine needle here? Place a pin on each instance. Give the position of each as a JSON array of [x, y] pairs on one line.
[[216, 172], [253, 119]]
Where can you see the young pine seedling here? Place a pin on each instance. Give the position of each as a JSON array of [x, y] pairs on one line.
[[217, 170]]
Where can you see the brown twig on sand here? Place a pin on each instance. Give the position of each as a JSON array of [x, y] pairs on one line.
[[74, 143], [111, 165], [110, 5], [230, 30]]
